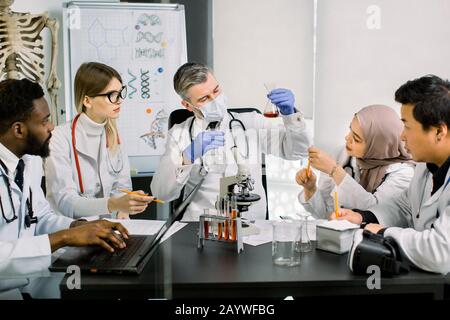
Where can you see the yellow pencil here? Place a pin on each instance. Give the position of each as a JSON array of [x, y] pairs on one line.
[[336, 204], [140, 194], [308, 168]]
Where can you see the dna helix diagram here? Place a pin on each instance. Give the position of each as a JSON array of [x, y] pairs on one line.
[[156, 129], [130, 84], [145, 90], [151, 19], [149, 37]]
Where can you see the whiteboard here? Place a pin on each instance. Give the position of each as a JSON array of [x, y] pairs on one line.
[[146, 44]]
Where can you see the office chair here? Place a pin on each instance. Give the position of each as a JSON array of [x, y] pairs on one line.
[[180, 115]]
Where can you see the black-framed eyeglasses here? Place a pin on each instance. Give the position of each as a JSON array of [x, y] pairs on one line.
[[113, 96], [8, 186]]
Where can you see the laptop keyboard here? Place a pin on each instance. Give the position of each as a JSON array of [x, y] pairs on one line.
[[120, 257]]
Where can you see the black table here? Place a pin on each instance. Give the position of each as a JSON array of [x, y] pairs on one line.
[[179, 270]]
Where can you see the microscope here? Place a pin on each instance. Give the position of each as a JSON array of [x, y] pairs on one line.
[[237, 188]]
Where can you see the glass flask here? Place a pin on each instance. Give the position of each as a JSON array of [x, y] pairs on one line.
[[270, 110], [304, 244]]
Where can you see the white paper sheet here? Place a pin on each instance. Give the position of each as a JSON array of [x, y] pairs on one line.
[[340, 225], [265, 233], [139, 226]]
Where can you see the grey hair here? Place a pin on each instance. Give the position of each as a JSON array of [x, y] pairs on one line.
[[188, 75]]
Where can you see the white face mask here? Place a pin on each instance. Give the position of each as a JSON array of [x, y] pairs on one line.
[[214, 110]]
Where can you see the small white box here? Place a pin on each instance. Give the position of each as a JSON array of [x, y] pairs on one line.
[[335, 235]]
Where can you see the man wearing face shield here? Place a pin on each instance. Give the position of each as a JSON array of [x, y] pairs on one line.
[[201, 147]]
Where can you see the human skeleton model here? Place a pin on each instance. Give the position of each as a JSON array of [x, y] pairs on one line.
[[21, 49]]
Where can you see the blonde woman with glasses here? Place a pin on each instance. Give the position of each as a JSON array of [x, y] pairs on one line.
[[87, 167]]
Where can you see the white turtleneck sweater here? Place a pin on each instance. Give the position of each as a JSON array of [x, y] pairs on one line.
[[94, 131], [98, 169]]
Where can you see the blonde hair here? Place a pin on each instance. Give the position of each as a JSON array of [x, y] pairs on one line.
[[91, 79]]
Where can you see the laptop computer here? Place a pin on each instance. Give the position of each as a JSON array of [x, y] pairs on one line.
[[130, 260], [94, 259]]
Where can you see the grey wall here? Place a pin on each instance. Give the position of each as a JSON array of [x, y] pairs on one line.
[[260, 41], [360, 64]]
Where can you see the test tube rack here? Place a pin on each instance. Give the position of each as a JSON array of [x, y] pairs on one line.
[[222, 229]]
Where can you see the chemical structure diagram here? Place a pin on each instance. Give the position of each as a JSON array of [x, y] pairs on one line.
[[106, 40]]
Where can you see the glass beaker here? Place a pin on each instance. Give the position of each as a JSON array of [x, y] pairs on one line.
[[286, 235], [215, 160], [304, 244], [270, 110]]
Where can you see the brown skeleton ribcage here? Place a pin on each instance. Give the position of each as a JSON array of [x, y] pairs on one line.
[[22, 50]]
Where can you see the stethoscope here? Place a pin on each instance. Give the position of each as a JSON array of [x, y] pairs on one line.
[[231, 127], [348, 165], [77, 161], [30, 218]]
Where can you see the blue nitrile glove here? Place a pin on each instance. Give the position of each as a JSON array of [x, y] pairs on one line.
[[284, 100], [203, 142]]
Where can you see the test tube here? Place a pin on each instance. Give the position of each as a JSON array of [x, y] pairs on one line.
[[227, 230], [226, 226], [233, 219], [206, 228], [218, 204], [215, 228], [224, 202], [234, 205], [206, 224], [233, 224], [219, 229]]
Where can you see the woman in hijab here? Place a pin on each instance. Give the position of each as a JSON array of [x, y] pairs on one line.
[[373, 167]]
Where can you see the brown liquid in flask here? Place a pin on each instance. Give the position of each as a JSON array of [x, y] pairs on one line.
[[270, 111], [271, 114]]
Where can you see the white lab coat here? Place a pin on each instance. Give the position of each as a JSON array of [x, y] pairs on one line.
[[289, 141], [419, 222], [63, 191], [350, 193], [25, 252]]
